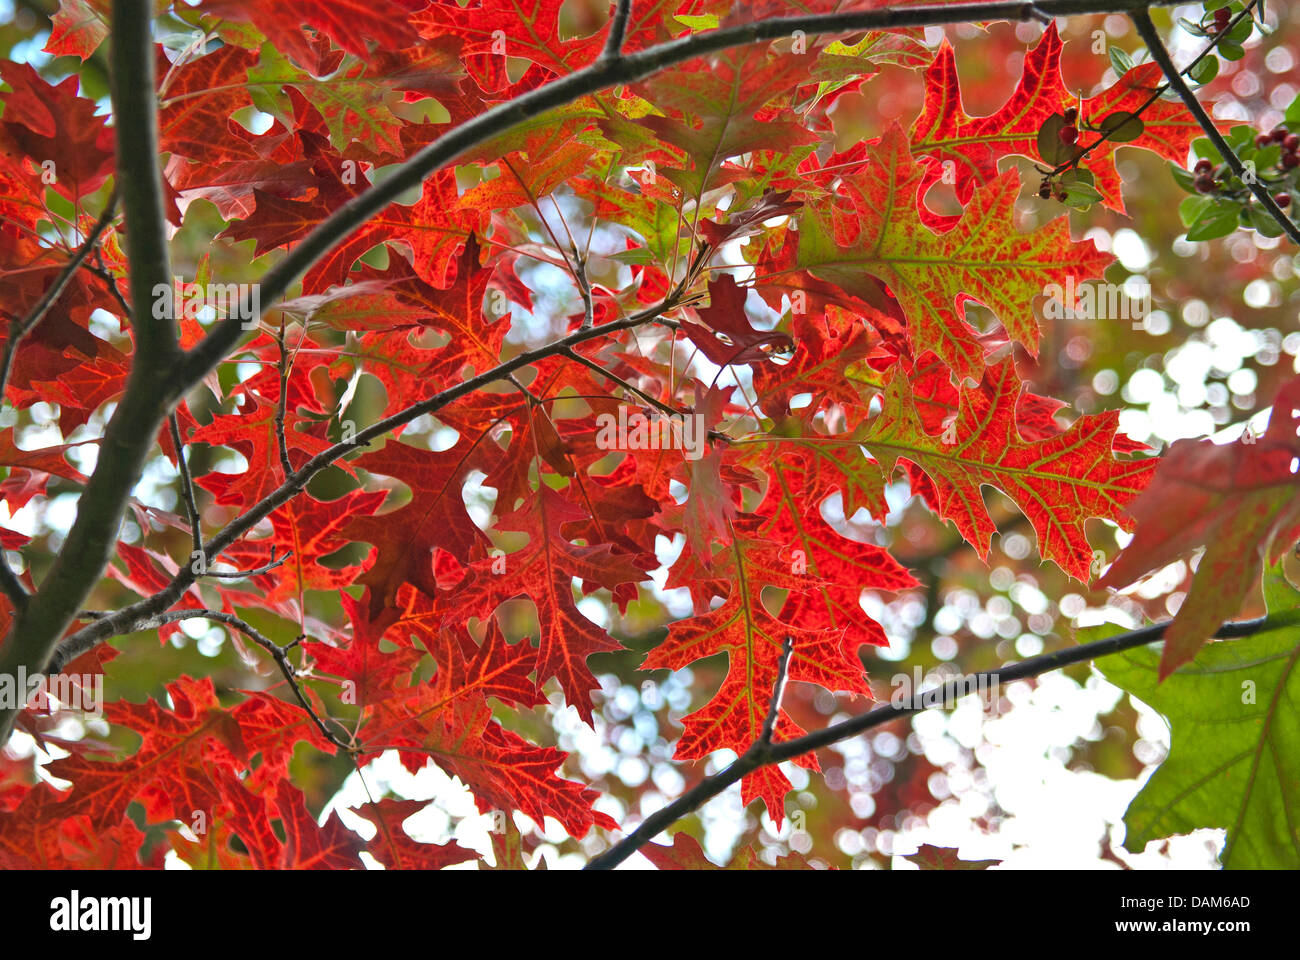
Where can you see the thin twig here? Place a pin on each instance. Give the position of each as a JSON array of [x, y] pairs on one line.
[[187, 489], [281, 441], [257, 572], [764, 754], [584, 289], [778, 691], [20, 328], [617, 30], [626, 385], [1157, 93], [102, 272], [278, 653], [1151, 38]]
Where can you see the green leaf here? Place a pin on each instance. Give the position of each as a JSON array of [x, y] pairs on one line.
[[1122, 126], [1184, 179], [704, 21], [1218, 220], [1263, 222], [1241, 32], [1234, 759], [1050, 147], [1206, 70], [1293, 112], [1193, 208], [1241, 138], [1120, 61], [1204, 149], [1231, 51], [1268, 157], [1081, 195]]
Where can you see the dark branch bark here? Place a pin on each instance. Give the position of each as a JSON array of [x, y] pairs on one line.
[[18, 329], [764, 754], [1161, 56], [135, 616], [161, 374], [617, 29], [187, 488], [778, 691], [604, 73], [152, 387]]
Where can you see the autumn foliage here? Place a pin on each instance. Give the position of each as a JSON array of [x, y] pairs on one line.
[[696, 252]]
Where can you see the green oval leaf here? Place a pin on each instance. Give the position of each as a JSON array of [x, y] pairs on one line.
[[1206, 70], [1050, 147], [1122, 126]]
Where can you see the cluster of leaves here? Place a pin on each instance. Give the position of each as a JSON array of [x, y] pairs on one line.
[[723, 261], [1222, 200]]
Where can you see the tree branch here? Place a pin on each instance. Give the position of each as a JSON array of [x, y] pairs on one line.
[[187, 487], [631, 388], [278, 653], [1147, 29], [129, 618], [281, 442], [160, 373], [764, 754], [604, 73], [1209, 48], [617, 30], [153, 385], [778, 691]]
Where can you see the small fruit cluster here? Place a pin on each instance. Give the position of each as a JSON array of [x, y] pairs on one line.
[[1290, 143], [1070, 132], [1069, 136], [1208, 179]]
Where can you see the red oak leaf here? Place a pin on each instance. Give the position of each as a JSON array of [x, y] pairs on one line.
[[878, 231], [1240, 500], [1058, 482]]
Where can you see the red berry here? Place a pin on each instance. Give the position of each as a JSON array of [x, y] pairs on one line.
[[1221, 18], [1045, 192], [1291, 143], [1069, 135], [1205, 183], [1060, 196], [1071, 114], [1203, 166], [1262, 141], [1290, 161], [1283, 200], [1279, 134]]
